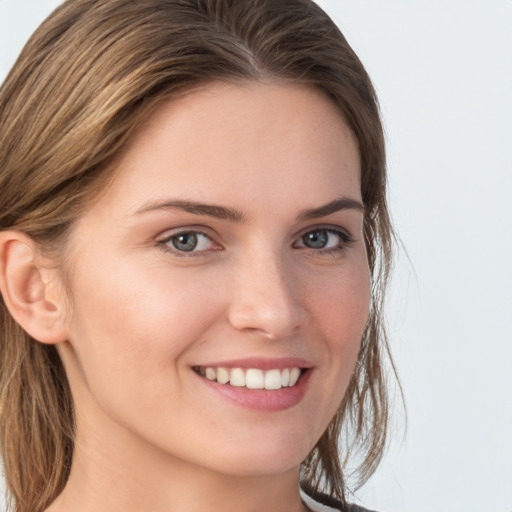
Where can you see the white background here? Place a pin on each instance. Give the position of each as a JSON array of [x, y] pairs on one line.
[[443, 72]]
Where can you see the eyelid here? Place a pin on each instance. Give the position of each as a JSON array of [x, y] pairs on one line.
[[346, 237], [164, 239], [344, 232]]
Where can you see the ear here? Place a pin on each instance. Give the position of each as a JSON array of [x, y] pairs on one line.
[[30, 289]]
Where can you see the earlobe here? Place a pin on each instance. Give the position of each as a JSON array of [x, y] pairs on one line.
[[27, 290]]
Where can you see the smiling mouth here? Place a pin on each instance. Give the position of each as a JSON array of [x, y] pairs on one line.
[[252, 378]]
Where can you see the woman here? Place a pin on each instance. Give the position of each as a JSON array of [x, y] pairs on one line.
[[194, 244]]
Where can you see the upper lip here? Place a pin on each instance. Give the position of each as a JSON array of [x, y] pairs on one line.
[[261, 363]]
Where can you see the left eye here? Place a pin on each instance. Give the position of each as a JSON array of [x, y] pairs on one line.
[[189, 241], [323, 239]]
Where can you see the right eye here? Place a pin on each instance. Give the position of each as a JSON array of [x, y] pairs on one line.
[[188, 241]]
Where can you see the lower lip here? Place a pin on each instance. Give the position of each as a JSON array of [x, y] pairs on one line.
[[262, 399]]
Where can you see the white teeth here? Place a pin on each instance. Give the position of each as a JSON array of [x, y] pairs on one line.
[[294, 375], [273, 379], [285, 377], [222, 375], [252, 378], [237, 377], [211, 374]]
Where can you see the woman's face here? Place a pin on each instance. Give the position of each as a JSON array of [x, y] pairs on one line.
[[230, 245]]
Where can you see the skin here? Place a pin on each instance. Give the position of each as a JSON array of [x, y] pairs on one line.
[[150, 434]]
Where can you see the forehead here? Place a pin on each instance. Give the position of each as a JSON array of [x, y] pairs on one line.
[[254, 144]]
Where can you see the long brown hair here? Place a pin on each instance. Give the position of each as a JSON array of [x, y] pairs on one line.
[[85, 80]]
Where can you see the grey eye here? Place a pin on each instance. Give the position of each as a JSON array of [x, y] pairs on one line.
[[190, 241], [316, 239], [184, 241]]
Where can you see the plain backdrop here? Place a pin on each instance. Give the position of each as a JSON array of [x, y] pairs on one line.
[[443, 72]]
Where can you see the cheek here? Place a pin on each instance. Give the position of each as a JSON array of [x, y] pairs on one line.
[[341, 315], [341, 308], [338, 313], [130, 338], [130, 325]]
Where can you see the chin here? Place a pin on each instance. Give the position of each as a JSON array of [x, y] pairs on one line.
[[271, 455]]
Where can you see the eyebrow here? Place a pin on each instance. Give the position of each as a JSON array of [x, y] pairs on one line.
[[232, 214], [342, 203], [211, 210]]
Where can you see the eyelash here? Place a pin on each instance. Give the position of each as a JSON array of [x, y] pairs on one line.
[[164, 244], [345, 241]]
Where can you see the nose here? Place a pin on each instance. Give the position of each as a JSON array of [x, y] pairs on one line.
[[265, 299]]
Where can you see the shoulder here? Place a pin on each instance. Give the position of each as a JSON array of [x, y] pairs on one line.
[[319, 502]]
